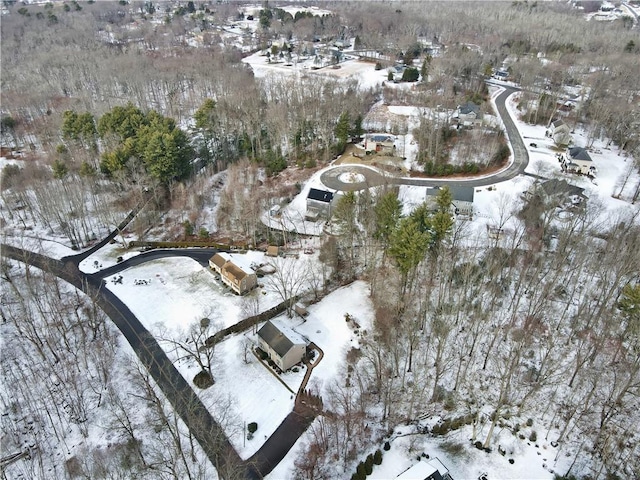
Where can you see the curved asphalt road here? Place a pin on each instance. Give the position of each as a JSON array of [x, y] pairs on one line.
[[374, 177], [186, 403], [184, 400]]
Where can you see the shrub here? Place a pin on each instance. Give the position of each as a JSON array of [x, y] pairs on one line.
[[533, 437], [478, 445], [377, 457], [378, 66], [501, 155], [203, 380], [530, 422], [410, 75], [387, 446], [252, 427], [368, 464]]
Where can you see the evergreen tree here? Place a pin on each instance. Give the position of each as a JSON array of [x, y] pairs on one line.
[[388, 209], [60, 169], [154, 139], [410, 75], [357, 130], [341, 130], [368, 464], [408, 246], [377, 457]]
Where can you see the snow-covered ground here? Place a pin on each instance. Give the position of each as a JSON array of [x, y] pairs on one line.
[[179, 292], [353, 68], [611, 165]]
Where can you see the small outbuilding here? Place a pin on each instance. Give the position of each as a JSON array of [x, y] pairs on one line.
[[283, 346]]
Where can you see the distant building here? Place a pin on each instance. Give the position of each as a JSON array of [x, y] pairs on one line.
[[382, 143], [426, 470], [319, 203], [461, 199], [240, 278], [283, 346], [272, 251], [578, 160]]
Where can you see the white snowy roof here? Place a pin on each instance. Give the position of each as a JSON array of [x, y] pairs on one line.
[[424, 470]]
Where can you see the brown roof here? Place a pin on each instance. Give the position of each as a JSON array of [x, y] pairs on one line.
[[233, 272], [218, 260]]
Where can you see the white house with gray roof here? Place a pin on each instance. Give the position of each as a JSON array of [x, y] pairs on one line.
[[578, 160], [283, 346]]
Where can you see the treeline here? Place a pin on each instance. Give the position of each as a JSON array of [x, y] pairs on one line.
[[534, 335], [77, 407]]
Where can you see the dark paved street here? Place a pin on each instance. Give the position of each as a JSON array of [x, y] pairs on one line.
[[373, 177]]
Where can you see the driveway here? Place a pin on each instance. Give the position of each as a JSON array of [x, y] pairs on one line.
[[209, 434]]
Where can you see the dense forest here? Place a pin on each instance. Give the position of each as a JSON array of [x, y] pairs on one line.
[[110, 105]]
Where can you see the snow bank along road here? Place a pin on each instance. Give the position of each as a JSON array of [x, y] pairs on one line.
[[373, 177]]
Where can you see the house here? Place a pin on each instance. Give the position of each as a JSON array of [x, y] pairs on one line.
[[382, 143], [319, 203], [502, 74], [240, 278], [283, 346], [577, 160], [560, 132], [468, 114], [559, 192], [461, 199], [432, 469]]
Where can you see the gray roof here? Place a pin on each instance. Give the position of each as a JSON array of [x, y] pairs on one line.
[[463, 194], [275, 338], [561, 187], [579, 153], [468, 108], [380, 138], [558, 123]]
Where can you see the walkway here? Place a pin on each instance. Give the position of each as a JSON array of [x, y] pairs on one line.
[[305, 410]]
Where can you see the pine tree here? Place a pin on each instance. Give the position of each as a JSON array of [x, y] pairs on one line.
[[342, 130], [368, 464], [388, 209]]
